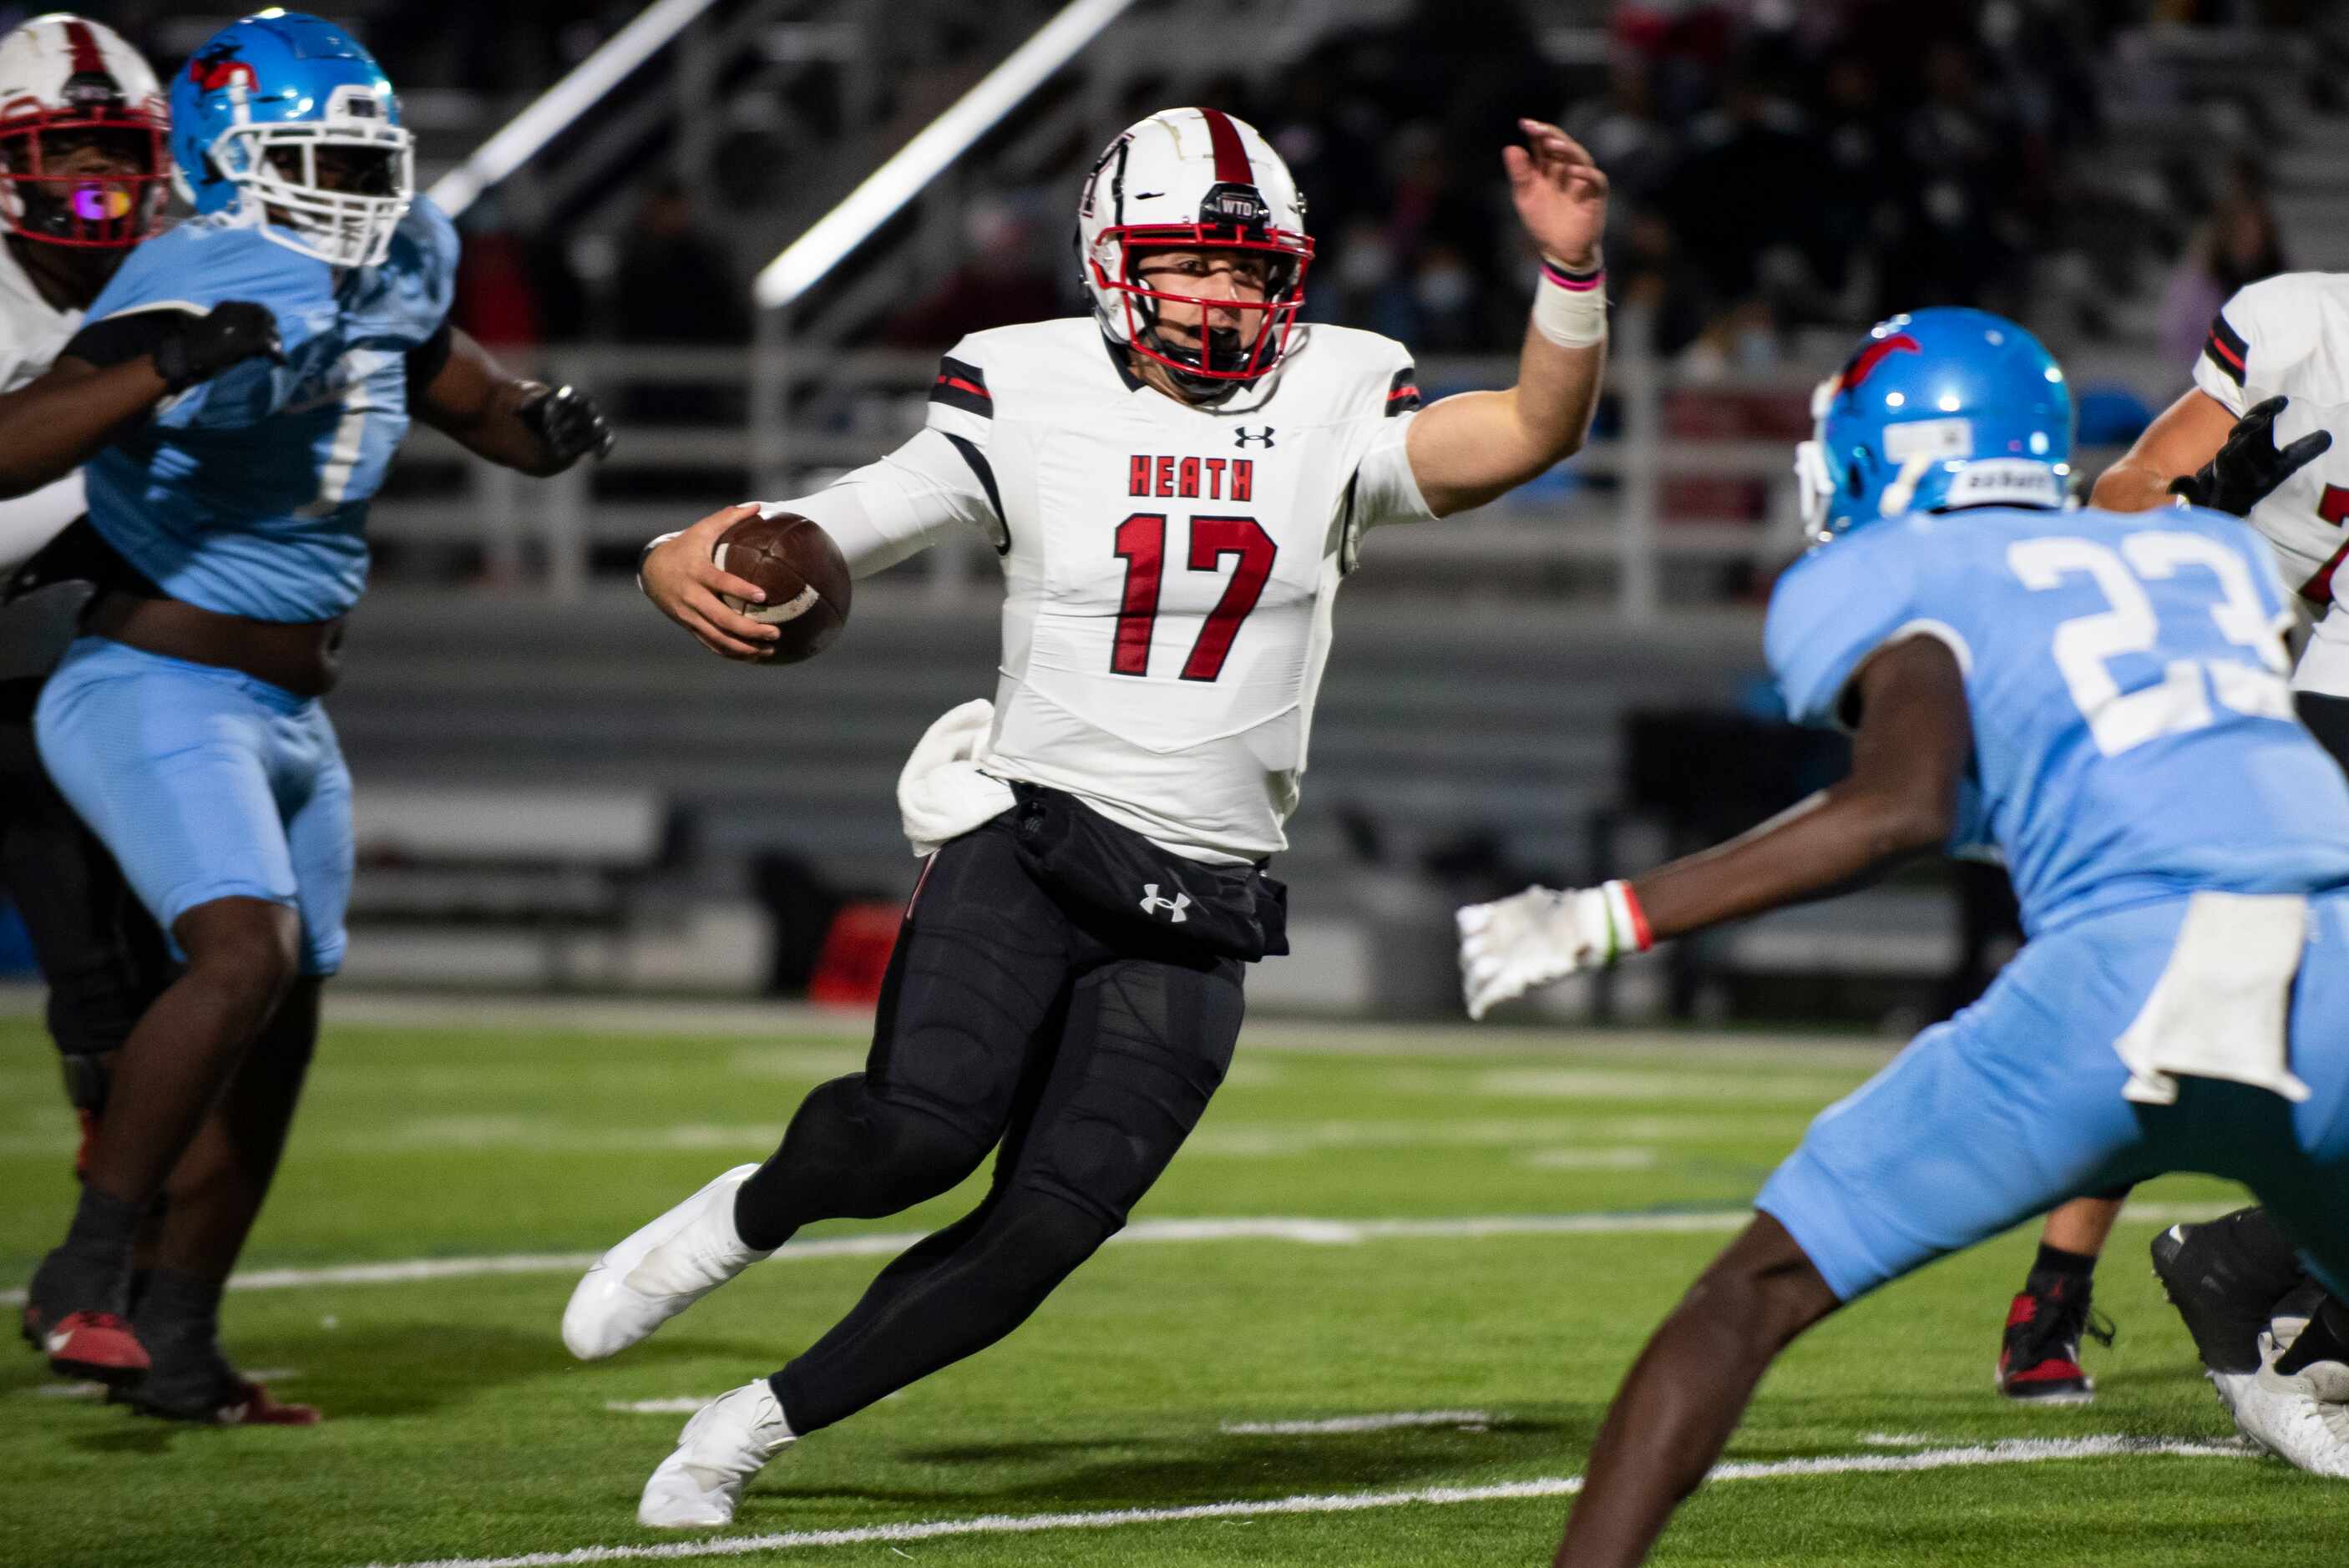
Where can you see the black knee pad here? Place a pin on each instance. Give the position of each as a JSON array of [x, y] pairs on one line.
[[1041, 1231], [852, 1153], [1096, 1164]]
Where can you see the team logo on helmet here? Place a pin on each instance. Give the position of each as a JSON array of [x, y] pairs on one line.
[[1242, 206], [215, 68], [92, 90], [1871, 355]]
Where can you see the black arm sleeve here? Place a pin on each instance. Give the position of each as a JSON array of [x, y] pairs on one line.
[[122, 337], [427, 358]]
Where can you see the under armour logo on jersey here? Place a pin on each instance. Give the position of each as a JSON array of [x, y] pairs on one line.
[[1174, 906], [1242, 437]]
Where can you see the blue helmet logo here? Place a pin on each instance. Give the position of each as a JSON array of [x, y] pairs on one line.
[[1936, 410], [284, 122]]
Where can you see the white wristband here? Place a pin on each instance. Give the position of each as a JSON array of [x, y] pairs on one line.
[[1610, 920], [1570, 308]]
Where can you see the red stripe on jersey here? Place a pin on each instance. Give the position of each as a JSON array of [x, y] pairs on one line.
[[957, 381], [1405, 390], [2225, 353], [1232, 165], [89, 59]]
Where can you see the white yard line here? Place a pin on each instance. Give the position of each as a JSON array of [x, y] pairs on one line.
[[758, 1020], [2014, 1451], [1302, 1232], [683, 1404], [1346, 1425]]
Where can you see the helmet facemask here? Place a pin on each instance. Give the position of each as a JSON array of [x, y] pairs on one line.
[[86, 182], [1215, 357], [334, 188]]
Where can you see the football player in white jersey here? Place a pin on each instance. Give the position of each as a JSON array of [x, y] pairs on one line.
[[84, 171], [2256, 436], [1176, 484]]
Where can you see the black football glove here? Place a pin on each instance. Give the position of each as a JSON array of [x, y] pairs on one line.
[[568, 421], [2246, 468], [205, 345]]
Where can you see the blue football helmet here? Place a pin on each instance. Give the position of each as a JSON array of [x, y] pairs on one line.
[[262, 105], [1937, 409]]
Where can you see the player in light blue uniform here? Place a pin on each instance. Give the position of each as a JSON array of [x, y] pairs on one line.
[[238, 392], [2103, 699]]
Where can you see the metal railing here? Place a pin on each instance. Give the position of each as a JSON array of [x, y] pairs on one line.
[[1614, 515]]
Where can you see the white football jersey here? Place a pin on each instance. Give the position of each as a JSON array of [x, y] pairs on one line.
[[2289, 334], [32, 331], [1169, 570]]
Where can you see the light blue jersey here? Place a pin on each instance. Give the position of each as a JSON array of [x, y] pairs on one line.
[[248, 493], [2133, 728], [2180, 849]]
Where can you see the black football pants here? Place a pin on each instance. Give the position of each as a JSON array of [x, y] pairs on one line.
[[1010, 1016], [102, 955]]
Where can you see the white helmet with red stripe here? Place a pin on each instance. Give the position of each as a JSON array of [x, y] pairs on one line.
[[1195, 179], [84, 157]]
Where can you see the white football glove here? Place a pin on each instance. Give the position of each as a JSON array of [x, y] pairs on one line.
[[1529, 939]]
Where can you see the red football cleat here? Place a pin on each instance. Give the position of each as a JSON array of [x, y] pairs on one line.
[[255, 1405], [97, 1346], [210, 1395], [2039, 1357]]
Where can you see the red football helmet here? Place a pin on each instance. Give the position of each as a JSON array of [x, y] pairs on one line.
[[67, 83], [1195, 179]]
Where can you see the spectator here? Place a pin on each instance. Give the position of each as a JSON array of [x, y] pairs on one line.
[[2236, 245], [1751, 183], [675, 284], [1003, 279]]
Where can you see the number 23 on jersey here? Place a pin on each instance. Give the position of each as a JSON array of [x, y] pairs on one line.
[[2084, 645]]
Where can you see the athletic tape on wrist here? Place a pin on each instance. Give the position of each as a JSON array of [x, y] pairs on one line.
[[1570, 307], [1627, 921]]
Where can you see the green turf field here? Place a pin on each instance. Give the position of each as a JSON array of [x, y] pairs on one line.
[[458, 1429]]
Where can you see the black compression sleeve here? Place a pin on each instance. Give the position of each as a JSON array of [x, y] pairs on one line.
[[122, 337]]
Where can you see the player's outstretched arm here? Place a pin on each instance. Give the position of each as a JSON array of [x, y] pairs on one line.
[[111, 376], [1472, 447], [2180, 444], [519, 424], [1900, 800]]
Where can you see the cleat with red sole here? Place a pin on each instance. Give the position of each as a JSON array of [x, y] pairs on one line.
[[2039, 1357], [256, 1407], [95, 1345], [240, 1403]]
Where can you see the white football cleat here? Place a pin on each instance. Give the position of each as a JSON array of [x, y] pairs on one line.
[[2301, 1418], [658, 1272], [726, 1442]]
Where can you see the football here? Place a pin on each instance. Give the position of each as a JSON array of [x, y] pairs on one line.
[[804, 574]]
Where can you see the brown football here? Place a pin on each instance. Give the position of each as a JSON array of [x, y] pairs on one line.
[[803, 572]]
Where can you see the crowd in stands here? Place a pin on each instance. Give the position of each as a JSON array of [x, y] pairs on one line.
[[1773, 165]]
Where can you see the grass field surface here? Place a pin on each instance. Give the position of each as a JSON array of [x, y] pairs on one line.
[[1371, 1316]]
